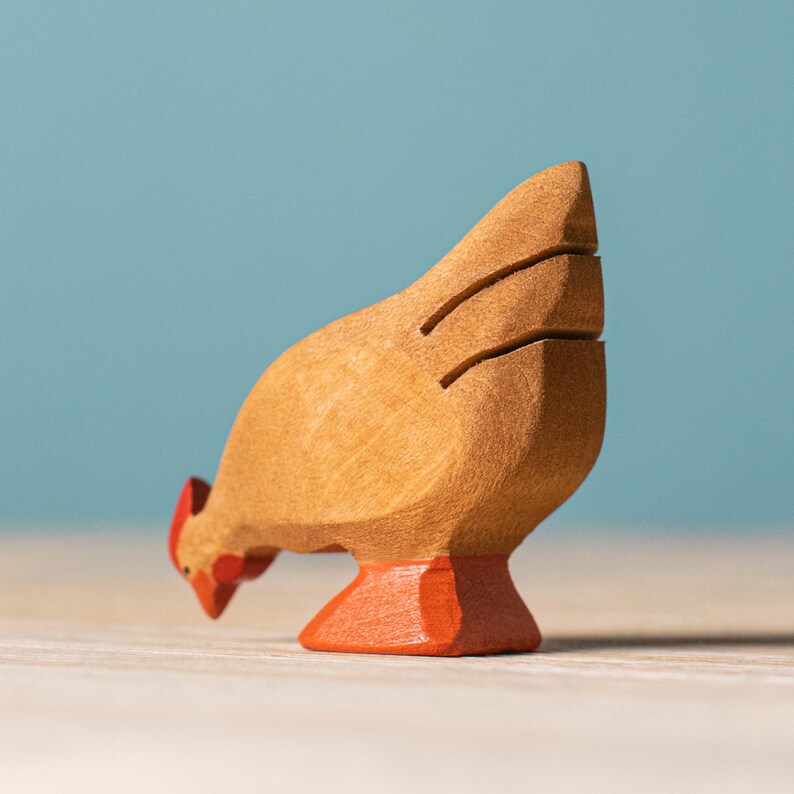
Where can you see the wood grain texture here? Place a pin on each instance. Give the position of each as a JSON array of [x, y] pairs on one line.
[[668, 663], [444, 422]]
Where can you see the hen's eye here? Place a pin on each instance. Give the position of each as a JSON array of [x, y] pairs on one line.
[[186, 569]]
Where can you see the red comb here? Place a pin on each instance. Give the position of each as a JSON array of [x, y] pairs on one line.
[[191, 501]]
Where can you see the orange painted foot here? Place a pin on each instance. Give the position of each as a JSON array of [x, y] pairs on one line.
[[447, 606]]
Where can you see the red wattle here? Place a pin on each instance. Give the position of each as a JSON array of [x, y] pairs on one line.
[[232, 568]]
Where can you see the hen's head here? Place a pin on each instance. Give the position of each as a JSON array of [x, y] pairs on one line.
[[213, 574]]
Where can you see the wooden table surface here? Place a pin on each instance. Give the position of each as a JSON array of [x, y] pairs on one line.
[[667, 665]]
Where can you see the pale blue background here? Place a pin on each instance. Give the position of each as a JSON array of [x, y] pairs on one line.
[[188, 188]]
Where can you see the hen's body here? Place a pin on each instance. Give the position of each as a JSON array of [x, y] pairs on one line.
[[447, 420]]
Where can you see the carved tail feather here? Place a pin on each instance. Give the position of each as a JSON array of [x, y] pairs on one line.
[[549, 214]]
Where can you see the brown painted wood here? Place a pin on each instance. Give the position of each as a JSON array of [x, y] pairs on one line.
[[444, 422]]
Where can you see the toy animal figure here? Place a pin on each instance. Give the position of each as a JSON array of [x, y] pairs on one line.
[[427, 435]]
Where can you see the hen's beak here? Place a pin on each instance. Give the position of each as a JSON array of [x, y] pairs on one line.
[[214, 590], [214, 596]]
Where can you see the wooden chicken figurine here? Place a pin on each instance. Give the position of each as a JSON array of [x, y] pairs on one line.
[[427, 435]]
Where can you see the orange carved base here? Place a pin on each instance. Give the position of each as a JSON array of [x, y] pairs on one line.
[[447, 606]]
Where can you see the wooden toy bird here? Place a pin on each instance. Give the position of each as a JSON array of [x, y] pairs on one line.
[[427, 435]]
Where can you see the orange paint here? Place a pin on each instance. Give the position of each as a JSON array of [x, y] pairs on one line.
[[446, 606], [191, 501], [213, 596]]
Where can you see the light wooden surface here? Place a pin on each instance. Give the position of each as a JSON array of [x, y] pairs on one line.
[[668, 665]]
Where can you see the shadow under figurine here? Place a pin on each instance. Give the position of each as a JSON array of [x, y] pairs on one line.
[[427, 435]]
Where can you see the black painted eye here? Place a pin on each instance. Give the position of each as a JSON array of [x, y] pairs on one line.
[[186, 570]]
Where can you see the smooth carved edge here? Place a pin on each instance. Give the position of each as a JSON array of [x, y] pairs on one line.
[[478, 286]]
